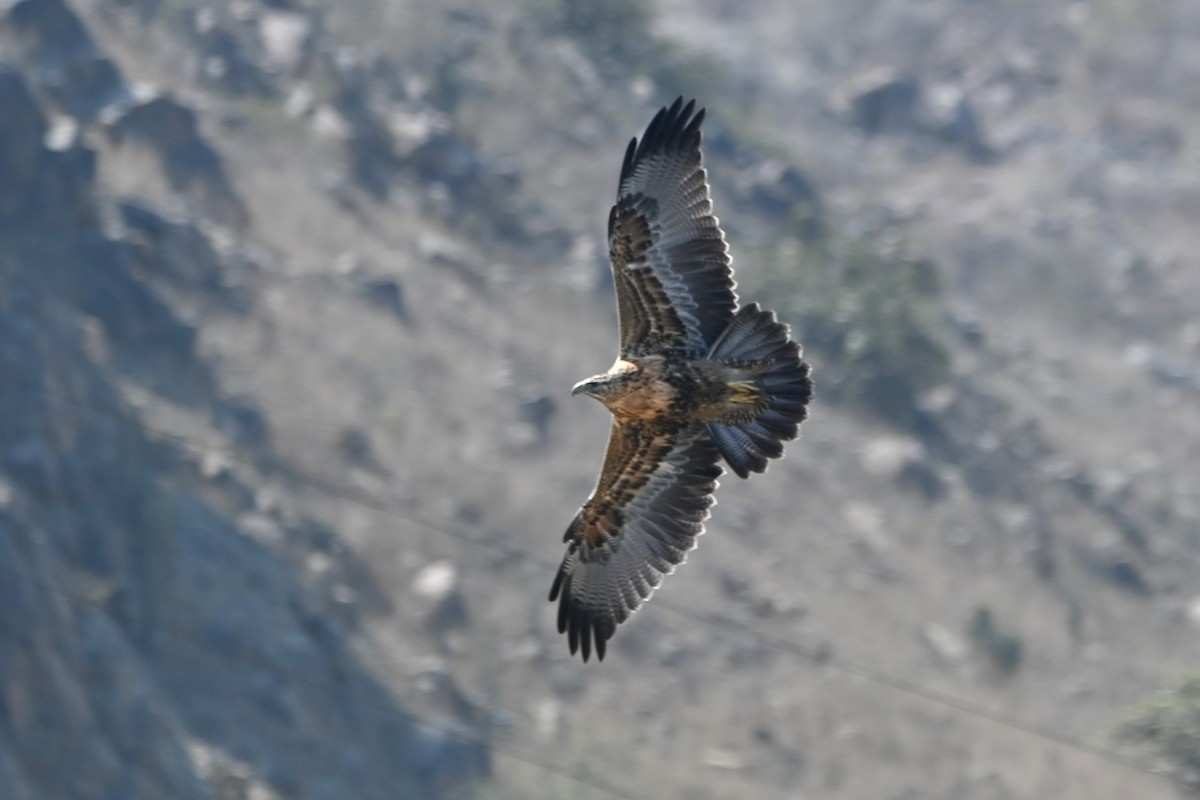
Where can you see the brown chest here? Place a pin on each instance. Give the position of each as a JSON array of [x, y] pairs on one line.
[[643, 390]]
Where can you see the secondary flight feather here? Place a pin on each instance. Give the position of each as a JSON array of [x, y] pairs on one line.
[[697, 382]]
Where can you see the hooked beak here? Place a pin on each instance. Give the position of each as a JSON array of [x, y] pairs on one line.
[[583, 387]]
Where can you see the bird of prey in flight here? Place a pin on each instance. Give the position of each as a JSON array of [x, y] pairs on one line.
[[697, 380]]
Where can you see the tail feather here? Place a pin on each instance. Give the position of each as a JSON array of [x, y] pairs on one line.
[[740, 451], [758, 346]]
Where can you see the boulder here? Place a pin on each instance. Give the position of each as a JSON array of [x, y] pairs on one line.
[[387, 295], [47, 33], [443, 605], [63, 58], [224, 61], [887, 101], [87, 86], [538, 411], [193, 168], [354, 445], [286, 38], [884, 101]]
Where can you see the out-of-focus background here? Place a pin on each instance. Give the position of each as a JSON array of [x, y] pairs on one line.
[[291, 298]]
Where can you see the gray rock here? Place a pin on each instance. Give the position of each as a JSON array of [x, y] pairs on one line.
[[1115, 566], [224, 60], [243, 422], [64, 58], [445, 607], [170, 129], [447, 158], [538, 411], [181, 257], [286, 38], [387, 295], [87, 86], [47, 32], [354, 444], [967, 326], [949, 114], [41, 186], [885, 101], [946, 646]]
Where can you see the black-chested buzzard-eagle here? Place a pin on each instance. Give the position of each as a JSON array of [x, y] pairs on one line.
[[697, 381]]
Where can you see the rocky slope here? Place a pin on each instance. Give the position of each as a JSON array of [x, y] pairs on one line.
[[163, 632], [290, 298]]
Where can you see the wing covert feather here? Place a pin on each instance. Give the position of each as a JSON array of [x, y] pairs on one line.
[[649, 506], [670, 262]]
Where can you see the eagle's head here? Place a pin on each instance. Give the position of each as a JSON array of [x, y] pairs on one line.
[[597, 386], [612, 388]]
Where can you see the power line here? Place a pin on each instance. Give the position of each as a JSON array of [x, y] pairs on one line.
[[774, 641], [783, 644], [542, 764], [455, 731], [545, 765], [905, 686]]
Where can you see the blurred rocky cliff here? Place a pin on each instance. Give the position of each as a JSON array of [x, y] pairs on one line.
[[162, 632], [291, 296]]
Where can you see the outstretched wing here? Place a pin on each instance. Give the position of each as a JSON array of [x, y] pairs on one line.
[[669, 259], [644, 516]]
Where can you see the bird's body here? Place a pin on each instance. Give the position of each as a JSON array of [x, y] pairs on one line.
[[697, 381], [650, 388]]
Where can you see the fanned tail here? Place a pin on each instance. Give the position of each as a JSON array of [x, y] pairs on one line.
[[770, 390]]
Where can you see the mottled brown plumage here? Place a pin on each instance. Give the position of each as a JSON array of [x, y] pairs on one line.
[[696, 381]]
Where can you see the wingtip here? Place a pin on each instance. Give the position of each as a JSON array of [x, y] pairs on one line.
[[626, 167], [676, 125], [682, 119], [585, 633], [560, 591]]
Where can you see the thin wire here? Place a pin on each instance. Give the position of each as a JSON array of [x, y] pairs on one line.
[[776, 642], [903, 685], [537, 762], [428, 722], [364, 500], [544, 765], [780, 643]]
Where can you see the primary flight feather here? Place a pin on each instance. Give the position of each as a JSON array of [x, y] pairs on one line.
[[697, 381]]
